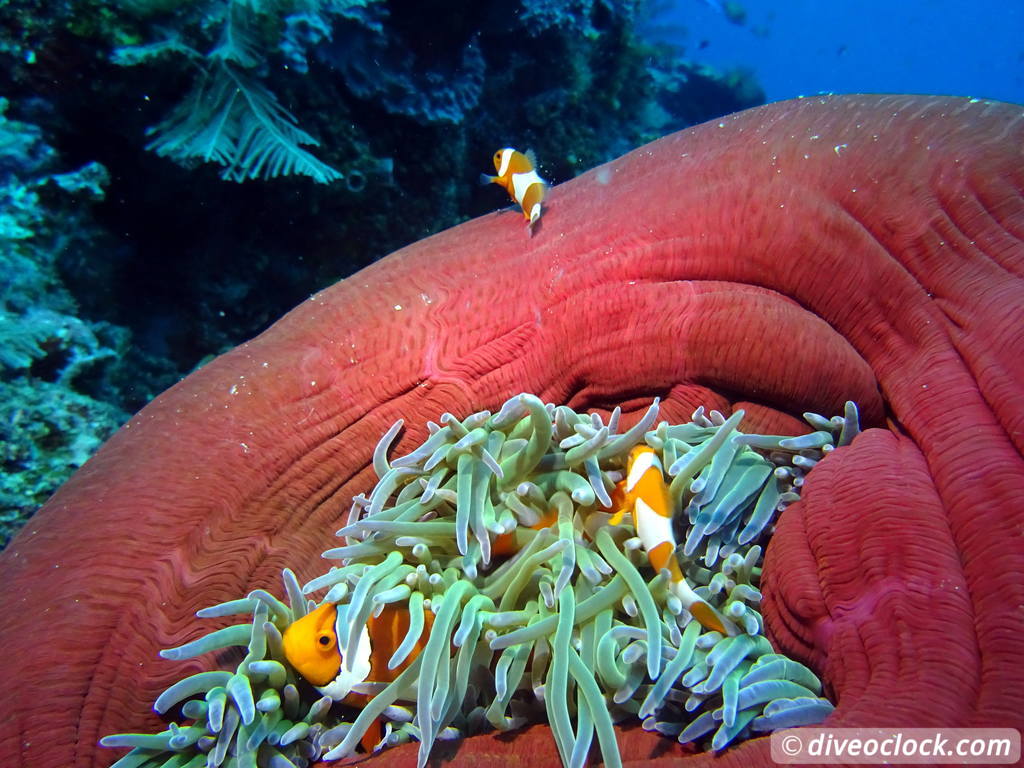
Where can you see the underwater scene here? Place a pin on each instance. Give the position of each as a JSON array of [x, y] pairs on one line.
[[530, 383]]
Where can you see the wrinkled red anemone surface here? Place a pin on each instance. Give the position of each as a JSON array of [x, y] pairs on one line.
[[782, 259]]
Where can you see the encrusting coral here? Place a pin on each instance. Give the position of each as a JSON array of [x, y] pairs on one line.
[[521, 597]]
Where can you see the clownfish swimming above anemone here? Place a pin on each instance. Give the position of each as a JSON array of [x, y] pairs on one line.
[[517, 173]]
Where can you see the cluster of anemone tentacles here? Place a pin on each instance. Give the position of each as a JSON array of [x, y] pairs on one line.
[[574, 626]]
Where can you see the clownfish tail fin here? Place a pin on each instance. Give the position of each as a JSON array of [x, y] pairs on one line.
[[531, 157]]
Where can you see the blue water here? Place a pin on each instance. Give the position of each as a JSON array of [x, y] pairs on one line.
[[803, 47]]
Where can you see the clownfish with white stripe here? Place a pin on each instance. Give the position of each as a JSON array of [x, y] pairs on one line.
[[645, 494], [517, 173], [312, 647]]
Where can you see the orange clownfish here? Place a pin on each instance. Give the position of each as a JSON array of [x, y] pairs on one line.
[[311, 647], [517, 173], [507, 544], [645, 494]]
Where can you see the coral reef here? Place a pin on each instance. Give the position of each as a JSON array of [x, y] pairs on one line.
[[233, 118], [571, 623], [47, 431], [701, 269], [575, 15], [406, 120], [405, 87], [243, 90], [51, 360]]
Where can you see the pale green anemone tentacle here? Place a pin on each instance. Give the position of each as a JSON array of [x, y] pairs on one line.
[[523, 463], [415, 607], [640, 593], [435, 657], [556, 688], [215, 641], [598, 710], [685, 469], [568, 619]]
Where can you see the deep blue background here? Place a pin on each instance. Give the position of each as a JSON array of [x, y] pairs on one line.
[[803, 47]]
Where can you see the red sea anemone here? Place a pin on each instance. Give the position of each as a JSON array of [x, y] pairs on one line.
[[784, 259]]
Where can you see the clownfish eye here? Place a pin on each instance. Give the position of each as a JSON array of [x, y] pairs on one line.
[[324, 640]]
